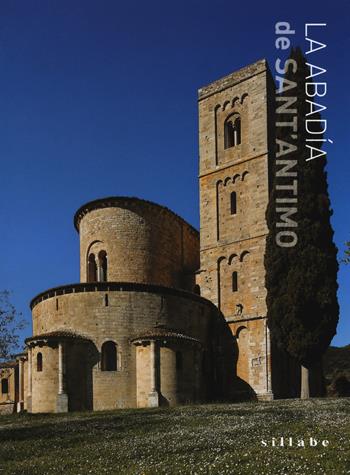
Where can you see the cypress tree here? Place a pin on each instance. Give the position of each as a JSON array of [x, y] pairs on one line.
[[301, 280], [346, 258]]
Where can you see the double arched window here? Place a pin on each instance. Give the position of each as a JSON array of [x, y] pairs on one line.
[[97, 268], [232, 131], [109, 356]]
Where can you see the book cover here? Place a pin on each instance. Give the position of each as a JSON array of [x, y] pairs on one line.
[[175, 238]]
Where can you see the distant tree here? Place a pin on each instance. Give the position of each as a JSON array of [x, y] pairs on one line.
[[341, 386], [301, 281], [11, 322], [346, 258]]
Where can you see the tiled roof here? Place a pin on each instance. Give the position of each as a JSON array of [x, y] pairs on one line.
[[57, 334], [8, 364], [159, 332]]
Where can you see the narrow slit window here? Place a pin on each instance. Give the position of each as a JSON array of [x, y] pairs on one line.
[[197, 289], [4, 386], [233, 202], [39, 362], [106, 300], [234, 281]]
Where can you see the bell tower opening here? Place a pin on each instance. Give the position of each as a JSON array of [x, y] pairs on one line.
[[232, 130]]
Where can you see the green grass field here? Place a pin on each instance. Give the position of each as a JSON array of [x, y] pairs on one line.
[[210, 439]]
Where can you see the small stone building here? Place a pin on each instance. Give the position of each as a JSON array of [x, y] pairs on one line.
[[9, 387], [161, 315]]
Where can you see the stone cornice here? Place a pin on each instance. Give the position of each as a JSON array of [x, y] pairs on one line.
[[232, 79], [115, 287], [244, 319], [119, 201]]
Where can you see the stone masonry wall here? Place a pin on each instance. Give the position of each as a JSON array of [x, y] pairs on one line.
[[176, 385], [232, 273], [145, 243], [45, 382], [9, 374], [127, 314]]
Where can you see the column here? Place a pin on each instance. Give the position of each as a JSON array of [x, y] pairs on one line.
[[153, 366], [62, 397], [269, 393], [20, 385], [29, 371], [60, 369], [99, 272], [29, 395], [198, 371], [153, 398]]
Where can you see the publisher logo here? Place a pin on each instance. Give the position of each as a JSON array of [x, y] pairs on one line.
[[287, 442]]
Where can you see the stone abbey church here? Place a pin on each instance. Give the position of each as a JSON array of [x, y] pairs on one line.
[[164, 315]]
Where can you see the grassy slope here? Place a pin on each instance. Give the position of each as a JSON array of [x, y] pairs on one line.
[[215, 439]]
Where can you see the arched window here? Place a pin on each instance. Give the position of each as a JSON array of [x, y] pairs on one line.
[[232, 131], [197, 289], [233, 202], [92, 269], [179, 361], [102, 266], [234, 281], [109, 356], [4, 386], [39, 362]]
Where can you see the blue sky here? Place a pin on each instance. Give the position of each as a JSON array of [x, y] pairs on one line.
[[100, 98]]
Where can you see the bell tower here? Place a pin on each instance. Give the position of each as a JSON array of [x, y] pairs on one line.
[[235, 127]]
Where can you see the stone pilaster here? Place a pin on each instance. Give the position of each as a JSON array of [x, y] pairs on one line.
[[20, 386], [62, 397], [153, 397], [30, 382]]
